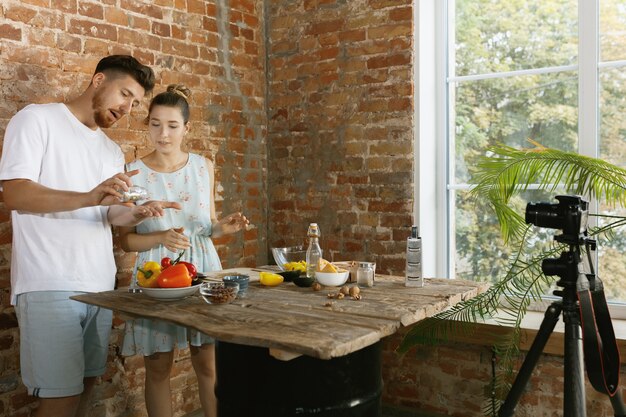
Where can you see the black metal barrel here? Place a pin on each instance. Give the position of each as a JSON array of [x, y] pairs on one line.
[[251, 383]]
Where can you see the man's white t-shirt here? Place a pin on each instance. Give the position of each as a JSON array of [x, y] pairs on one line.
[[64, 251]]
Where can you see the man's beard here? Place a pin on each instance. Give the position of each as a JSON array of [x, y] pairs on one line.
[[100, 112]]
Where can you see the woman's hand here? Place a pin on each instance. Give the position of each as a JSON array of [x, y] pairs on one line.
[[128, 214], [174, 240], [230, 224], [152, 208]]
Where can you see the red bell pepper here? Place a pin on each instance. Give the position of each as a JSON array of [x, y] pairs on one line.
[[167, 262], [176, 276]]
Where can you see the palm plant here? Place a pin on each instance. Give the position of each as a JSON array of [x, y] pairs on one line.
[[501, 177]]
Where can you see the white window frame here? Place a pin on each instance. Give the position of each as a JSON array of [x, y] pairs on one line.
[[433, 193]]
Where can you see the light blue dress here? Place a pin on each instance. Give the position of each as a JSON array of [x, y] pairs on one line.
[[191, 186]]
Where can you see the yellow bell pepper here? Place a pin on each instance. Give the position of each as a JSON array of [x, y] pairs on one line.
[[148, 274]]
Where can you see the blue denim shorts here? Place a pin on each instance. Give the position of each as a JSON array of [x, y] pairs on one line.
[[62, 341]]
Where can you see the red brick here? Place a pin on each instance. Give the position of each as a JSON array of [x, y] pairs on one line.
[[67, 6], [19, 13], [196, 6], [320, 28], [68, 42], [10, 32], [92, 29], [173, 47], [116, 16], [92, 10], [403, 13], [142, 8], [138, 38], [389, 61]]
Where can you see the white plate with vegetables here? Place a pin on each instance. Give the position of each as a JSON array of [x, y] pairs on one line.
[[169, 294]]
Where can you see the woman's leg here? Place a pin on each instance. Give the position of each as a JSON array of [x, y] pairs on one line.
[[157, 389], [203, 361]]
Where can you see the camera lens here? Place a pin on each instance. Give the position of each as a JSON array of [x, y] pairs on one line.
[[544, 215]]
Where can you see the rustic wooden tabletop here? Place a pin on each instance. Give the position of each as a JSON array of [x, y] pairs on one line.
[[299, 320]]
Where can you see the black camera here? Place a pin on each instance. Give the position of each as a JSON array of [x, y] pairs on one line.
[[569, 214]]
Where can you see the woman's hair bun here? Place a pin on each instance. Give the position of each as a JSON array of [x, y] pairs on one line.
[[179, 89]]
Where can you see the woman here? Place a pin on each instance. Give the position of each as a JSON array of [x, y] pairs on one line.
[[189, 179]]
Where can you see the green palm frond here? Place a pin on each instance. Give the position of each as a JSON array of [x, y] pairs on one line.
[[506, 172], [502, 175]]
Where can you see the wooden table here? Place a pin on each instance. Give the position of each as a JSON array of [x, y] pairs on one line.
[[293, 321]]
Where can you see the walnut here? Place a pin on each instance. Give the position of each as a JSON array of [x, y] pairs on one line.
[[328, 304], [340, 296], [316, 286], [345, 290], [331, 295], [356, 297], [355, 291]]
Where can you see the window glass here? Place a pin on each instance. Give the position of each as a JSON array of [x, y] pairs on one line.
[[542, 107], [499, 36], [613, 115], [481, 254], [612, 30], [513, 75]]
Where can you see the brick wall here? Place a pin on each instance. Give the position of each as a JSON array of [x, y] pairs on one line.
[[453, 380], [48, 51], [340, 126]]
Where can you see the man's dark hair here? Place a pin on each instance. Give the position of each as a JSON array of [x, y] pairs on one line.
[[126, 64]]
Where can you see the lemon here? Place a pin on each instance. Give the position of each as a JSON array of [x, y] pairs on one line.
[[295, 266], [329, 268], [270, 279]]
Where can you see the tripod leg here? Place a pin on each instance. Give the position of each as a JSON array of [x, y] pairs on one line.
[[550, 319], [574, 404], [618, 405]]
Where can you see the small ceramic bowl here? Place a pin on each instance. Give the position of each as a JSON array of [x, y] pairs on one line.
[[303, 281], [242, 280], [289, 275], [332, 279]]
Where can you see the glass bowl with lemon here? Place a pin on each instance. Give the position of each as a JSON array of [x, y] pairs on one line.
[[290, 258]]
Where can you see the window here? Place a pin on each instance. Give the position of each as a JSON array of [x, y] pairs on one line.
[[504, 71]]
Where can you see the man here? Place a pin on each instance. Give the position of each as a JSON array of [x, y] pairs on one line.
[[62, 177]]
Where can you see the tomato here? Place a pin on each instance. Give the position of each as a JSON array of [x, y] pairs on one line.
[[176, 276], [191, 268], [166, 262]]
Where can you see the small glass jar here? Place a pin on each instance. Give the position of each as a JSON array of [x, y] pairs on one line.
[[365, 274], [134, 193]]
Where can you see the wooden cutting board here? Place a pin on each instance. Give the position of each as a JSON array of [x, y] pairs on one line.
[[253, 273]]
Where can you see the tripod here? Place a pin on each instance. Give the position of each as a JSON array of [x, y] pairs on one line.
[[567, 268]]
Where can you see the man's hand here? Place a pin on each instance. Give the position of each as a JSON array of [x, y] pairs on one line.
[[109, 192]]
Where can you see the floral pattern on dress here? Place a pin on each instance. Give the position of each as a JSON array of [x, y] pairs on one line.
[[191, 187]]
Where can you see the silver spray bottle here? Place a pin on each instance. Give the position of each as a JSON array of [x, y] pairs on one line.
[[414, 276]]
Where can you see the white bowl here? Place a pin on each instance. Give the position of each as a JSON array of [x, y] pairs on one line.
[[332, 279], [170, 293]]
